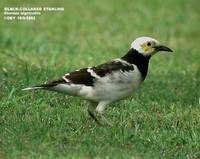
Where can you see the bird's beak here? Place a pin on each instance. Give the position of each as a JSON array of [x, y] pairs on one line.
[[163, 48]]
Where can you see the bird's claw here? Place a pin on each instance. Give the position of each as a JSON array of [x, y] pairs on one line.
[[100, 118]]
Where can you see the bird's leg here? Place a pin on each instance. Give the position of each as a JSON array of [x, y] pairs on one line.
[[96, 110], [91, 111], [99, 111]]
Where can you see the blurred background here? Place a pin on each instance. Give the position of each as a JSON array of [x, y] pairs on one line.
[[160, 120]]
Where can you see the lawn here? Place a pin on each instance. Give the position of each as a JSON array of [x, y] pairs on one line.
[[160, 120]]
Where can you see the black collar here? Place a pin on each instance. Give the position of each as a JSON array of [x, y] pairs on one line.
[[141, 61]]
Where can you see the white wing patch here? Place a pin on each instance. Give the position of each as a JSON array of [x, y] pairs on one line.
[[92, 73], [66, 80]]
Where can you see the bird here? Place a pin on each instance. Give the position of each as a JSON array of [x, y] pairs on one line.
[[111, 81]]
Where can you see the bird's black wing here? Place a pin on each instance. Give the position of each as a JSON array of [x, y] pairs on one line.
[[76, 77], [106, 68], [87, 76]]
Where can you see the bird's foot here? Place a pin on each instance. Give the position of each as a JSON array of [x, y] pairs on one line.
[[105, 120], [94, 117], [100, 118]]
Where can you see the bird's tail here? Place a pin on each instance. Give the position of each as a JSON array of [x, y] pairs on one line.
[[43, 86]]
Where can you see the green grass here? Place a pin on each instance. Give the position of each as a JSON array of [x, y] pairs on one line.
[[161, 120]]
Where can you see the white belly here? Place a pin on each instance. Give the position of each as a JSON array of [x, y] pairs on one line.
[[115, 86]]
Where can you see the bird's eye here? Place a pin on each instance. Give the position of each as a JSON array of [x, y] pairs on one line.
[[148, 44]]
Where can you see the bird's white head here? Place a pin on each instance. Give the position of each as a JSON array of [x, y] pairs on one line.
[[148, 46]]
